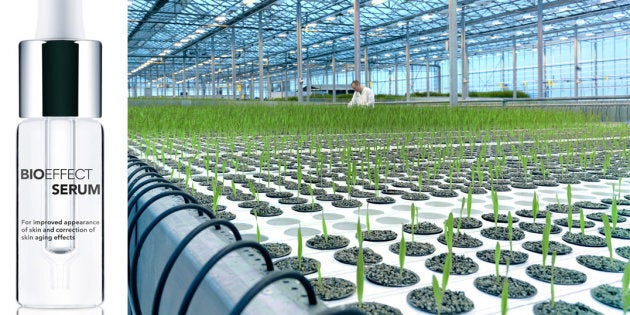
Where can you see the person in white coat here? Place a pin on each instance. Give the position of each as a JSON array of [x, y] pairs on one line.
[[363, 95]]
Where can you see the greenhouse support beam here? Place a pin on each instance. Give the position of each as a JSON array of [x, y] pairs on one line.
[[233, 43], [212, 73], [541, 48], [595, 85], [452, 50], [366, 67], [261, 68], [575, 62], [357, 40], [396, 89], [184, 87], [334, 75], [514, 67], [173, 82], [298, 51], [308, 80], [196, 71], [464, 58], [164, 78], [428, 82], [407, 65]]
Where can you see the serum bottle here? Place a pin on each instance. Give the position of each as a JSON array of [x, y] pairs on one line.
[[60, 164]]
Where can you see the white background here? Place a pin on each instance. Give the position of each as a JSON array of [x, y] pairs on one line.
[[106, 21]]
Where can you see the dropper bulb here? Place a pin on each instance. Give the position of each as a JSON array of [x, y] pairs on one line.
[[60, 19]]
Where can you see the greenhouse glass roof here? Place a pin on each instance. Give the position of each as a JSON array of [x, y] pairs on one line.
[[168, 36]]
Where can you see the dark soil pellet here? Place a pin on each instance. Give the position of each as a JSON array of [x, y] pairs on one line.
[[597, 216], [563, 208], [293, 200], [623, 251], [362, 194], [517, 289], [347, 203], [307, 207], [601, 263], [349, 256], [515, 257], [279, 194], [609, 295], [538, 228], [309, 265], [561, 275], [561, 307], [501, 233], [414, 196], [379, 235], [381, 200], [467, 223], [423, 228], [591, 205], [453, 302], [501, 218], [268, 211], [620, 202], [240, 197], [329, 197], [277, 250], [536, 247], [575, 224], [461, 240], [584, 240], [530, 213], [461, 265], [333, 289], [443, 193], [334, 242], [225, 215], [372, 308], [390, 276], [253, 204], [413, 248]]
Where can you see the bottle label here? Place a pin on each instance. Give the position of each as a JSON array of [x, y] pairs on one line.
[[60, 174]]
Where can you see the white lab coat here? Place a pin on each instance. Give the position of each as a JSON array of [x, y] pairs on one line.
[[363, 98]]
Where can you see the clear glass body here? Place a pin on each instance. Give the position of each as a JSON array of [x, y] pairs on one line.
[[60, 212]]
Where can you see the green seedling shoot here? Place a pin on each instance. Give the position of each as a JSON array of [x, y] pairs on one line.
[[320, 281], [510, 229], [582, 221], [257, 227], [625, 283], [495, 206], [172, 173], [233, 189], [360, 265], [437, 294], [469, 203], [216, 194], [608, 234], [413, 223], [448, 232], [614, 212], [402, 251], [553, 270], [461, 210], [504, 297], [299, 251], [253, 190], [497, 258], [535, 206], [324, 228], [367, 219], [570, 208], [545, 239]]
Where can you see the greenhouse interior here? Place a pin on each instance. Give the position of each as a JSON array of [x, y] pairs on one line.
[[378, 157]]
